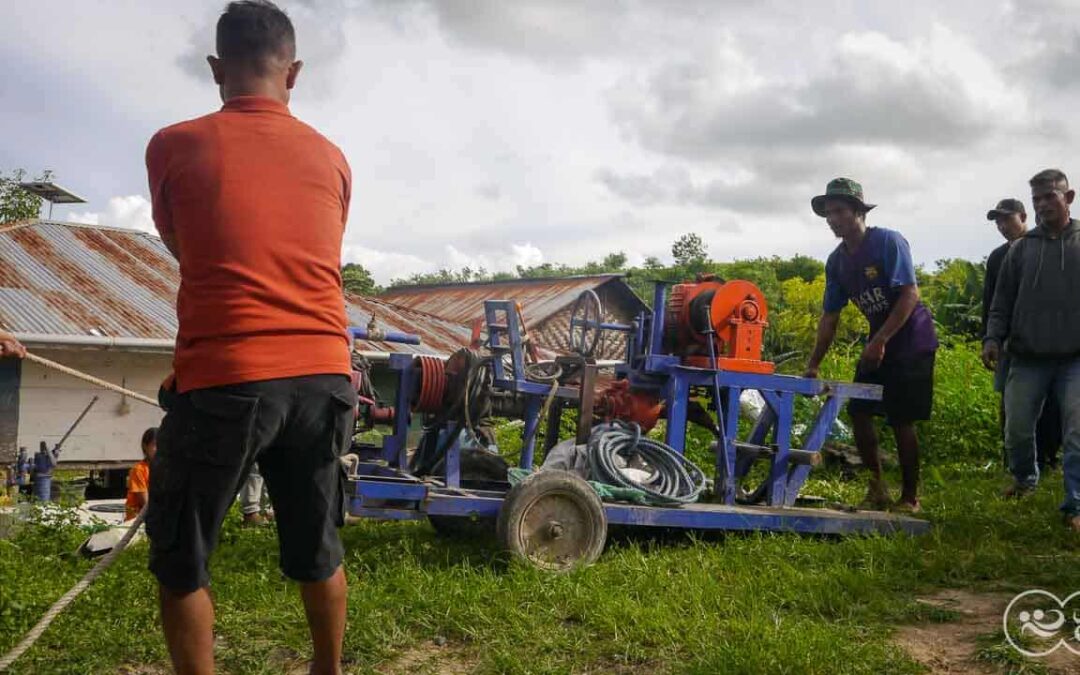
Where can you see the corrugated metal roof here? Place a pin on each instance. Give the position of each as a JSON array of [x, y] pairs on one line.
[[539, 298], [68, 279], [437, 336]]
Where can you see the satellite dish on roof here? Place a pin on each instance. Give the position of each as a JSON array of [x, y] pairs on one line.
[[52, 193]]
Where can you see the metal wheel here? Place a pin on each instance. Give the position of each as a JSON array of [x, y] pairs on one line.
[[553, 520], [586, 316]]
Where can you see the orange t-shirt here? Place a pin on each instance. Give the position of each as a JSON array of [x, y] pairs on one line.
[[256, 202], [138, 481]]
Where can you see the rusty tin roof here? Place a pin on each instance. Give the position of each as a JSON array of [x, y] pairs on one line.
[[539, 298], [68, 279]]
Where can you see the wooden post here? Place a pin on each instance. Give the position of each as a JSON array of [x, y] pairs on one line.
[[585, 406]]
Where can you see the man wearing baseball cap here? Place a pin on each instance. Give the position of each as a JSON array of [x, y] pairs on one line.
[[872, 268], [1011, 220], [1034, 319]]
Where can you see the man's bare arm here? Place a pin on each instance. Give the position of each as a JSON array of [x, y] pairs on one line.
[[905, 305], [140, 499], [9, 346], [874, 352], [826, 333]]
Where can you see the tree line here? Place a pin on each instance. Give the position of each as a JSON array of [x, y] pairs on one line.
[[793, 288]]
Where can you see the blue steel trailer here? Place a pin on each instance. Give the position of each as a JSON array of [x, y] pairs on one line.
[[554, 519]]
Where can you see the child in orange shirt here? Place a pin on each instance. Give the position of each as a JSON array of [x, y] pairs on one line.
[[138, 482]]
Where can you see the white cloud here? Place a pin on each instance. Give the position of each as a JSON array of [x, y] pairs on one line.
[[526, 255], [388, 265], [558, 31], [561, 33], [457, 259], [505, 260], [756, 191], [132, 212], [935, 90], [1052, 31], [385, 265], [675, 185], [579, 128]]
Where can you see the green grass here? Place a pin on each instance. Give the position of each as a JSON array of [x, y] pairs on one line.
[[994, 650], [734, 604]]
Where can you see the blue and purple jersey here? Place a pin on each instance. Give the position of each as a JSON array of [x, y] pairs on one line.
[[871, 278]]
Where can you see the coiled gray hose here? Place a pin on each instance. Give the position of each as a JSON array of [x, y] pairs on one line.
[[674, 480]]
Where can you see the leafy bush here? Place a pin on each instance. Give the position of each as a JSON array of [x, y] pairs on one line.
[[964, 424], [45, 543], [954, 294], [793, 319]]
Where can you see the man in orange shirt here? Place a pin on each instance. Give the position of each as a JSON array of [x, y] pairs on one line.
[[138, 482], [253, 203]]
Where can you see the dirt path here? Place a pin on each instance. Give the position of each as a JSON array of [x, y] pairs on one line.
[[430, 658], [954, 646]]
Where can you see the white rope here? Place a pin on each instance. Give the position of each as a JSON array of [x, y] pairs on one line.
[[59, 367], [66, 599], [60, 605]]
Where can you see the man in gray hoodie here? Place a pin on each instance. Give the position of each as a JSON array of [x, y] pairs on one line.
[[1036, 314]]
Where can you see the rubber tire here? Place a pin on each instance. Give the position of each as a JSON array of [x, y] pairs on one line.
[[546, 483]]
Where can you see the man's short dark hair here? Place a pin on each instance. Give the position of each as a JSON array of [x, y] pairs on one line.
[[149, 436], [255, 31], [1053, 177]]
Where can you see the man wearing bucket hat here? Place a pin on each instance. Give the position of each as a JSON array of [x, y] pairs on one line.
[[872, 268], [1010, 217]]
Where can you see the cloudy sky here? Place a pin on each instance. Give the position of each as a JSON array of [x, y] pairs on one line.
[[493, 133]]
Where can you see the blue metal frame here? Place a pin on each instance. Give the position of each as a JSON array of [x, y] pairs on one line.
[[652, 369], [376, 335], [417, 500], [385, 490], [506, 337]]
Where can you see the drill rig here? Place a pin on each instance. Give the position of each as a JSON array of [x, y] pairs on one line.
[[688, 360]]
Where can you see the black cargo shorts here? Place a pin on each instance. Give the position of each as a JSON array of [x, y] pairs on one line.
[[908, 390], [296, 428]]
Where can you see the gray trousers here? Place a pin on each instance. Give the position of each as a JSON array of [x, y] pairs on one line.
[[251, 492]]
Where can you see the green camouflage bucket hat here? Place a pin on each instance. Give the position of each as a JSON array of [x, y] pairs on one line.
[[840, 188]]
